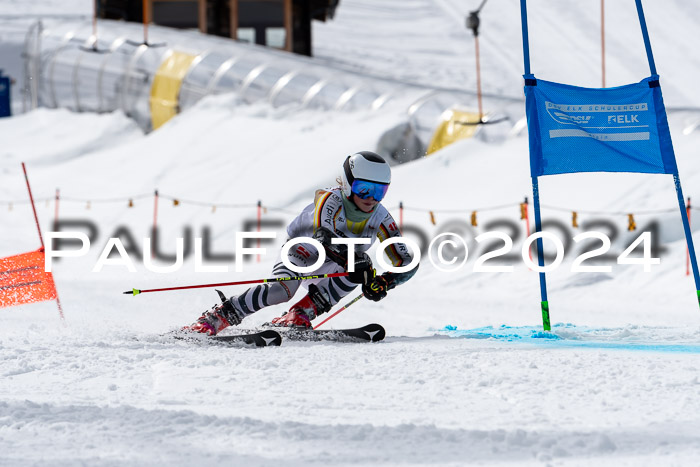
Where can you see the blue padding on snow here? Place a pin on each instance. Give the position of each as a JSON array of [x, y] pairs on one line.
[[577, 337], [574, 129]]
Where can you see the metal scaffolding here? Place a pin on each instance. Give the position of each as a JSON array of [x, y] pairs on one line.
[[66, 66]]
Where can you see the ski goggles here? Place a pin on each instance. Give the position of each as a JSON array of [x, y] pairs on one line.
[[365, 189]]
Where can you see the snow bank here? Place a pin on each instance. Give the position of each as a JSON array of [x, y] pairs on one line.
[[464, 377]]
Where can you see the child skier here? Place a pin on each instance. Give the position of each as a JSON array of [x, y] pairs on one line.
[[352, 210]]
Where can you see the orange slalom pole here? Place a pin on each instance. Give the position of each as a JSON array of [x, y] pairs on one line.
[[155, 210], [155, 219], [94, 22], [31, 198], [146, 19], [527, 224], [41, 238], [55, 213], [478, 79]]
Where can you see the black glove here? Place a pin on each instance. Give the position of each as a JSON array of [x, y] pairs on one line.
[[364, 272], [333, 252], [377, 288], [323, 235]]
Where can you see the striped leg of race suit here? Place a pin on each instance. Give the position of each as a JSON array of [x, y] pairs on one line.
[[274, 293]]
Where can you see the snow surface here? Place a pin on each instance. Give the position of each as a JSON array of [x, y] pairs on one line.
[[465, 375]]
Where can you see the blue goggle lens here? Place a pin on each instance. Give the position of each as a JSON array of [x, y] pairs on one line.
[[365, 189]]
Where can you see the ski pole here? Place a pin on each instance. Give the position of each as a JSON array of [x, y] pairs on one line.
[[346, 305], [256, 281]]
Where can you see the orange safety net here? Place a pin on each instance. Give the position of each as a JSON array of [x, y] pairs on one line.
[[23, 280]]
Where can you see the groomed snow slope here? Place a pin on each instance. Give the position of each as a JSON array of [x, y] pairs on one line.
[[464, 377]]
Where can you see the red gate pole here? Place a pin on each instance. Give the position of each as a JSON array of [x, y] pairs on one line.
[[31, 198], [94, 23], [473, 23], [401, 215], [527, 223], [155, 218], [155, 209], [478, 78], [55, 214], [41, 238], [146, 20]]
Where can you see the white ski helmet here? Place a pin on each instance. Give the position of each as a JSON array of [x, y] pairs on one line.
[[365, 174]]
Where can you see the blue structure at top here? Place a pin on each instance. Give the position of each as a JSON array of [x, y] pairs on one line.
[[574, 129]]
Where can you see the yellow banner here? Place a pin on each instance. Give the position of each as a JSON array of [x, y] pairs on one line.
[[165, 90], [455, 125]]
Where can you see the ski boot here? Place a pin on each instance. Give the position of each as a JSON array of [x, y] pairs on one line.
[[300, 315], [218, 318]]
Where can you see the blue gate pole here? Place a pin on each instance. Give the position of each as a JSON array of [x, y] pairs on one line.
[[540, 255], [526, 40], [688, 234], [535, 185], [645, 35]]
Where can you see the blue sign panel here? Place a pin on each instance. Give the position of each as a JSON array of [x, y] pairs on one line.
[[574, 129]]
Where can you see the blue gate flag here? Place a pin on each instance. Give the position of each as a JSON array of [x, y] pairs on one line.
[[574, 129]]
